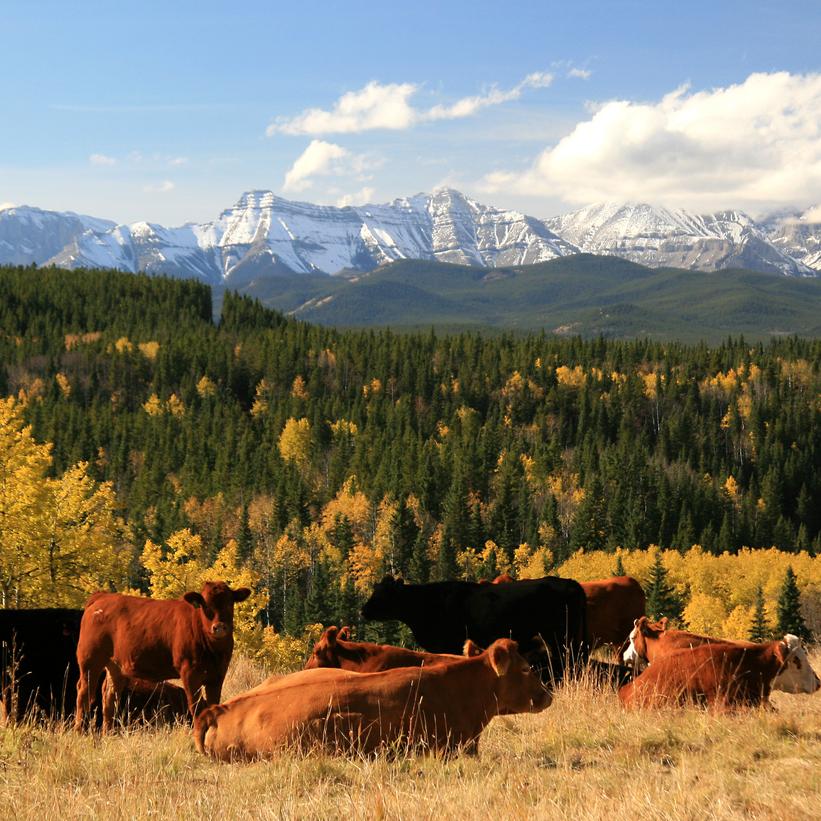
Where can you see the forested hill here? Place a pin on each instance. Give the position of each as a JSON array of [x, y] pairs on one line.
[[372, 450]]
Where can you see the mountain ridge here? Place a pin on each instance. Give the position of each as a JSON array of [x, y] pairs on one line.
[[264, 234]]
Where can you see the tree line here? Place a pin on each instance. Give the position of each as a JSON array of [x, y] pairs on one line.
[[333, 456]]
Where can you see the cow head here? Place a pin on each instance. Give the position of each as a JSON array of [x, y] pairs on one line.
[[324, 654], [215, 603], [643, 629], [796, 675], [384, 600], [518, 689]]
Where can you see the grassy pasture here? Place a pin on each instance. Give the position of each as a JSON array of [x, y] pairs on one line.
[[584, 757]]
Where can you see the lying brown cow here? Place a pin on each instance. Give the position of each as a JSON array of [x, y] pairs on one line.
[[152, 702], [189, 638], [651, 641], [440, 708], [721, 676], [335, 650]]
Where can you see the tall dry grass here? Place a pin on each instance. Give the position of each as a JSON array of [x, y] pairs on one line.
[[583, 758]]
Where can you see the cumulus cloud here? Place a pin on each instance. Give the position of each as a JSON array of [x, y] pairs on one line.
[[102, 159], [755, 144], [364, 195], [388, 106], [159, 187], [322, 158]]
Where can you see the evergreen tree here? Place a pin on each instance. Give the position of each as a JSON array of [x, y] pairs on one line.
[[619, 569], [790, 619], [662, 599], [245, 539], [759, 629]]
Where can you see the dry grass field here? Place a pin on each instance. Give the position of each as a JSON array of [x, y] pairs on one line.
[[583, 758]]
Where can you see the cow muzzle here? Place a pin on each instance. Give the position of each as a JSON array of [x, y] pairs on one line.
[[219, 629]]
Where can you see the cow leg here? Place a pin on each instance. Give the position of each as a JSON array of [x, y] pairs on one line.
[[86, 694], [213, 692], [192, 684], [112, 690]]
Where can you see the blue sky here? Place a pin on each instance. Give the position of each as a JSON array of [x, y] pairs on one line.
[[159, 111]]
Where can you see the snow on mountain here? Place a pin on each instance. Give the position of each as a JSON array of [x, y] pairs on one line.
[[32, 235], [266, 235], [659, 237], [798, 234]]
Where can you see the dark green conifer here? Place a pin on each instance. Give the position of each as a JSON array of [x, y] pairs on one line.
[[759, 629], [790, 619]]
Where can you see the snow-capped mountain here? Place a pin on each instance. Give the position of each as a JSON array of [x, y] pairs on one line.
[[659, 237], [31, 235], [798, 234], [266, 235]]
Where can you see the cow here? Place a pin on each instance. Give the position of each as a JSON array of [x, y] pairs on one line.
[[722, 676], [442, 615], [38, 664], [612, 606], [335, 650], [651, 641], [190, 638], [442, 708], [149, 702]]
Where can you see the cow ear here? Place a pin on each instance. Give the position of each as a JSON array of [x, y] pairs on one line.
[[782, 651], [329, 636], [663, 621], [194, 599], [242, 593], [499, 657], [642, 624], [344, 633], [471, 649]]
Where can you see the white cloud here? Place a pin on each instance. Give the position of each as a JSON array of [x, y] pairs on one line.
[[364, 195], [176, 162], [812, 215], [752, 145], [580, 73], [160, 187], [378, 106], [322, 158], [5, 205], [102, 159]]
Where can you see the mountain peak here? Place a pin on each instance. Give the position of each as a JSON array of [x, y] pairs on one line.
[[264, 234]]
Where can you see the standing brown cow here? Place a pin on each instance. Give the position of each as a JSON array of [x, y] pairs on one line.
[[189, 638], [613, 605]]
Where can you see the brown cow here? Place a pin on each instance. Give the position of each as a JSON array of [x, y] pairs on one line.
[[503, 578], [190, 638], [721, 676], [651, 641], [612, 606], [441, 708], [152, 702], [333, 650]]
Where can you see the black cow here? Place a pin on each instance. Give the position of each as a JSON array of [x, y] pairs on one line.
[[38, 661], [540, 614]]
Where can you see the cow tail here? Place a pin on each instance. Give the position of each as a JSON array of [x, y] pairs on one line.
[[202, 723]]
